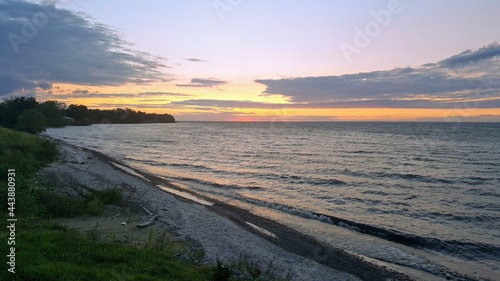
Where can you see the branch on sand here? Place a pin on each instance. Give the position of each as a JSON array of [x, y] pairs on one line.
[[150, 221]]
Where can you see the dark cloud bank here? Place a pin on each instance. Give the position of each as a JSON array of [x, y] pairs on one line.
[[469, 79], [41, 44]]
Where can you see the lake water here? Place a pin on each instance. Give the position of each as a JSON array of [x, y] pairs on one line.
[[428, 191]]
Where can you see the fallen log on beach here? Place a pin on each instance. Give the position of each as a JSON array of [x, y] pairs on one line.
[[147, 211], [149, 222]]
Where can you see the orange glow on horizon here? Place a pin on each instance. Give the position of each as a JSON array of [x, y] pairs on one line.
[[113, 97], [344, 114]]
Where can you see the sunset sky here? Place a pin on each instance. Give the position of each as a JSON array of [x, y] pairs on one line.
[[259, 60]]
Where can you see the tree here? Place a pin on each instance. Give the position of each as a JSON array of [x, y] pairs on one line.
[[32, 121], [54, 112], [14, 107], [80, 113]]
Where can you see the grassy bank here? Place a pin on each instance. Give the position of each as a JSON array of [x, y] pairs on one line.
[[45, 250]]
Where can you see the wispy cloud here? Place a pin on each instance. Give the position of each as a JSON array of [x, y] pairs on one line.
[[470, 77], [200, 82], [65, 47], [88, 94], [195, 60], [373, 103], [235, 116], [130, 105], [223, 103]]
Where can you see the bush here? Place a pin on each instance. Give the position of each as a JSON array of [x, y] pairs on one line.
[[222, 271], [95, 207], [60, 206], [109, 196], [28, 204], [32, 121]]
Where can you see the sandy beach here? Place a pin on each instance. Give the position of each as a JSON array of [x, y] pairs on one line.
[[220, 230]]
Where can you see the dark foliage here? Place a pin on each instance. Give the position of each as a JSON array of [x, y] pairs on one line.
[[11, 109], [26, 114], [117, 116]]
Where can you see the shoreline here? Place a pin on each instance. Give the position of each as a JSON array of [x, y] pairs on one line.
[[222, 230]]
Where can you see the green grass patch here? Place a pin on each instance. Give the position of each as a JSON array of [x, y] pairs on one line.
[[108, 196], [58, 206], [95, 207], [23, 152], [98, 198], [26, 154], [47, 252]]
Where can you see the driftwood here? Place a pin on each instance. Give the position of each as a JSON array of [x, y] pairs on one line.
[[147, 211], [150, 221]]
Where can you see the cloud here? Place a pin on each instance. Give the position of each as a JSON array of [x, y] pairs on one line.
[[11, 81], [44, 44], [130, 105], [460, 118], [487, 52], [82, 93], [238, 116], [222, 103], [200, 82], [44, 85], [195, 60], [473, 79], [374, 103], [163, 94], [79, 93]]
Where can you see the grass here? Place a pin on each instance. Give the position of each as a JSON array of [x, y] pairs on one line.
[[110, 196], [23, 152], [249, 270], [95, 207], [57, 206], [45, 251], [26, 154], [54, 253]]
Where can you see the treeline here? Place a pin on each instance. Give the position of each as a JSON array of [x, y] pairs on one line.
[[27, 114]]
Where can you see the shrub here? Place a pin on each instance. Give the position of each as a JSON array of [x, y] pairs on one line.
[[95, 207], [110, 196], [222, 271], [32, 121], [60, 206]]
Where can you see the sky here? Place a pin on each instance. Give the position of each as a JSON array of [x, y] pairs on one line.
[[238, 60]]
